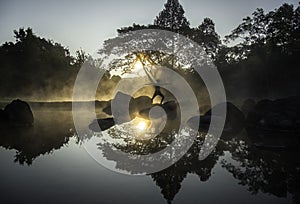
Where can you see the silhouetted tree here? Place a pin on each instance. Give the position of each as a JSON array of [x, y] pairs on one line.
[[206, 36], [80, 58], [33, 67], [265, 59], [172, 17], [32, 63], [276, 30]]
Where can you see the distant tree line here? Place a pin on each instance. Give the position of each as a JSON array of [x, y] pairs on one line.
[[266, 59], [40, 69]]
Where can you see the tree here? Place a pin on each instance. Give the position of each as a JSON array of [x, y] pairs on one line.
[[172, 17], [80, 58], [265, 57], [251, 32], [32, 56], [206, 36], [37, 68], [275, 31]]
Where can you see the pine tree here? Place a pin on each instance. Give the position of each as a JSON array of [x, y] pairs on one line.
[[206, 36], [172, 17]]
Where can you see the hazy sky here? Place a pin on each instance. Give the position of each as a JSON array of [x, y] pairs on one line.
[[86, 24]]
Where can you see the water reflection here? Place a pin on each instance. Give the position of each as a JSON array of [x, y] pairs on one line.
[[267, 171], [270, 171], [169, 180], [51, 131]]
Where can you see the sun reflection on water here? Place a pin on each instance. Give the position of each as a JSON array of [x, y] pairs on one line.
[[141, 126]]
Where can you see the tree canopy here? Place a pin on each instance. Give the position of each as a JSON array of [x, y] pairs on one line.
[[263, 60], [39, 69], [172, 17], [266, 57]]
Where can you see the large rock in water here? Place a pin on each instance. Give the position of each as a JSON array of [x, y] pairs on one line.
[[166, 115], [119, 113], [138, 104], [248, 106], [234, 121], [99, 125], [278, 115], [3, 118], [127, 104], [170, 108], [17, 113]]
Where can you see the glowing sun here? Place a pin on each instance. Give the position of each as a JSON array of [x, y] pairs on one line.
[[138, 65], [141, 126]]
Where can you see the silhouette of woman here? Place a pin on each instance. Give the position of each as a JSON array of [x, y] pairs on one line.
[[158, 93]]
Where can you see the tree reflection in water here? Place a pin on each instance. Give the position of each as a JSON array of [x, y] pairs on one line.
[[275, 172], [169, 180], [272, 172]]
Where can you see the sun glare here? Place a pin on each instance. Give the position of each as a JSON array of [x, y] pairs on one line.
[[141, 126], [138, 66]]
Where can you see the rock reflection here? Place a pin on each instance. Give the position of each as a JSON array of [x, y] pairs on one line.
[[50, 132]]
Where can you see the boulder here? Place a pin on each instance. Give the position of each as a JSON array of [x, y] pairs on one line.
[[99, 125], [107, 109], [234, 121], [120, 111], [3, 118], [278, 115], [169, 107], [138, 104], [248, 106], [135, 106], [17, 113]]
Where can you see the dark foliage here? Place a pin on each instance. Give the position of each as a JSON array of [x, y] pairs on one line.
[[265, 62], [40, 69]]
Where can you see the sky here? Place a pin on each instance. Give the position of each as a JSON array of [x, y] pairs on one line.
[[86, 24]]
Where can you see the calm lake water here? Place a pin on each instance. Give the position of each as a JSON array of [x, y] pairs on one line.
[[48, 164]]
